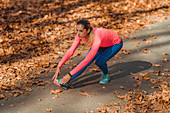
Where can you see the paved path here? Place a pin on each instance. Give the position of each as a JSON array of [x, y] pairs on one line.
[[72, 102]]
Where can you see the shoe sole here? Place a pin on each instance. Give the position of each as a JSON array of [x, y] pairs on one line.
[[56, 83], [105, 83]]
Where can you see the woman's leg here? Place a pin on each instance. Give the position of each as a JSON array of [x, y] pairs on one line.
[[82, 70], [106, 55]]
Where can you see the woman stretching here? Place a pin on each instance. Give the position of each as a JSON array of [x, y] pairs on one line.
[[104, 45]]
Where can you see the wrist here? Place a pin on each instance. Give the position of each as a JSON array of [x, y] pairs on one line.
[[70, 74]]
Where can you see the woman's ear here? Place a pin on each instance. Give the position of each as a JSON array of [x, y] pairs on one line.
[[88, 31]]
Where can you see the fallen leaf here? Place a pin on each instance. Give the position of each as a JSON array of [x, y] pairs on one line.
[[132, 73], [153, 81], [135, 85], [41, 84], [56, 92], [103, 110], [114, 111], [135, 43], [22, 102], [124, 51], [164, 54], [117, 57], [49, 109], [94, 69], [39, 99], [115, 104], [77, 53], [157, 73], [122, 87], [165, 60], [11, 105], [137, 78], [146, 77], [116, 92], [154, 37], [108, 104], [157, 65], [85, 94], [166, 70], [2, 96]]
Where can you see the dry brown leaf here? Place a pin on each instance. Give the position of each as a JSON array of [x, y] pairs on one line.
[[136, 78], [108, 104], [166, 70], [26, 94], [2, 96], [154, 37], [83, 73], [103, 110], [49, 109], [144, 39], [35, 42], [135, 43], [41, 84], [164, 54], [114, 111], [68, 62], [85, 94], [77, 53], [94, 69], [11, 105], [132, 73], [39, 99], [115, 104], [56, 92], [117, 57], [17, 94], [116, 92], [146, 77], [153, 81], [22, 102], [165, 60], [148, 41], [157, 73], [157, 65], [144, 51], [122, 87], [124, 51], [135, 85]]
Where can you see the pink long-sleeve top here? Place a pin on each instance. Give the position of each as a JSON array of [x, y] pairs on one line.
[[103, 38]]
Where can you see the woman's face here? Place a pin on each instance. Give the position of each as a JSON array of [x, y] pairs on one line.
[[81, 31]]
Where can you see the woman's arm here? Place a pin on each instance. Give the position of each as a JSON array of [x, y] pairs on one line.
[[88, 58], [70, 52]]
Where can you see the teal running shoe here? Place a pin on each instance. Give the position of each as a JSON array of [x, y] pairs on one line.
[[104, 79], [64, 86]]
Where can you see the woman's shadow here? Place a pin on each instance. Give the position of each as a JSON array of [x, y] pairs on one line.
[[117, 70]]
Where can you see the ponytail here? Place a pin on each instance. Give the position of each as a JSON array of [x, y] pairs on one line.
[[90, 38]]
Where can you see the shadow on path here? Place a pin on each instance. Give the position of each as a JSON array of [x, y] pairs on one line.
[[118, 70]]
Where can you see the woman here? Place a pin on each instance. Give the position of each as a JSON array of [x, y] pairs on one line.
[[104, 45]]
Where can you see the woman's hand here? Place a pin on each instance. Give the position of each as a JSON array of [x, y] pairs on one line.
[[56, 73]]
